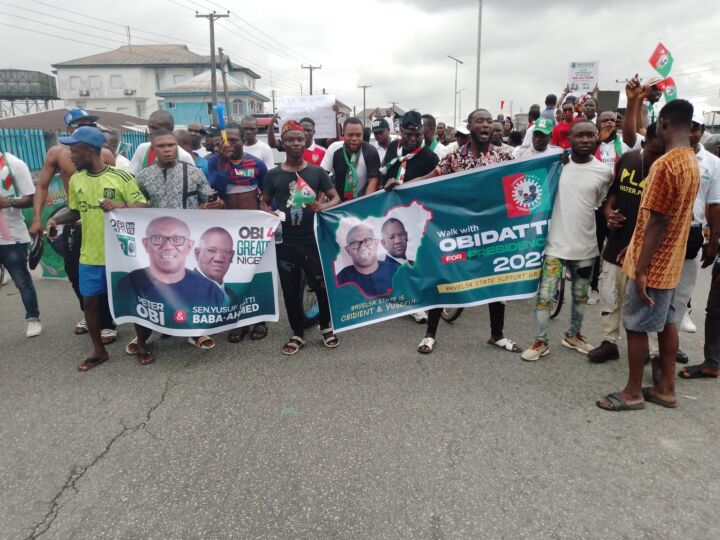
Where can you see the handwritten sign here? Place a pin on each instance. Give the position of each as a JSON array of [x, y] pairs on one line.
[[319, 108]]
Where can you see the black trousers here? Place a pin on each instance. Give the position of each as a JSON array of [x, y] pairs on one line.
[[292, 261], [497, 319], [72, 240]]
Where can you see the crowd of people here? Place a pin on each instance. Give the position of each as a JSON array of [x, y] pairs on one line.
[[637, 212]]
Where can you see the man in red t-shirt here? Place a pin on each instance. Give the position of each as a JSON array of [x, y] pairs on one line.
[[313, 153], [562, 130]]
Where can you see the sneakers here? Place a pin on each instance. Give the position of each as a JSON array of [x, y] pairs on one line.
[[593, 298], [538, 349], [578, 343], [420, 317], [33, 327], [687, 324], [606, 351]]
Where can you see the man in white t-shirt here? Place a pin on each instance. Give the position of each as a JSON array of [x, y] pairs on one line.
[[429, 127], [197, 131], [571, 240], [16, 192], [540, 141], [533, 115], [252, 146], [382, 136], [144, 155]]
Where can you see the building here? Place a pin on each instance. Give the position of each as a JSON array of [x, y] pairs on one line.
[[127, 79], [190, 100]]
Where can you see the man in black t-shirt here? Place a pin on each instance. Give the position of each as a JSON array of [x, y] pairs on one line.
[[406, 158], [295, 186], [621, 211]]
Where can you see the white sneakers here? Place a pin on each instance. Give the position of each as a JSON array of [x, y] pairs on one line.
[[34, 328], [577, 342], [687, 324], [538, 349]]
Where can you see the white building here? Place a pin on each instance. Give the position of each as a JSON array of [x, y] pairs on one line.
[[127, 79]]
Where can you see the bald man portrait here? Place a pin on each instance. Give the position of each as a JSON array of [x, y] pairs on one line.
[[168, 242], [214, 254], [372, 277]]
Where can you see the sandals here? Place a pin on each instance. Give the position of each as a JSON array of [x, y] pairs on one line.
[[90, 363], [426, 345], [329, 338], [238, 334], [81, 328], [695, 372], [293, 346], [203, 342], [618, 404], [145, 358], [650, 396], [108, 336], [259, 331], [131, 348], [505, 343]]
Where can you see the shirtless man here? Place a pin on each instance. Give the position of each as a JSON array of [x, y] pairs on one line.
[[57, 162]]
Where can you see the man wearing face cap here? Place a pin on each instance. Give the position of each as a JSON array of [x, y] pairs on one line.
[[407, 158]]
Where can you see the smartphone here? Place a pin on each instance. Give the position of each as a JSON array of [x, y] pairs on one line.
[[213, 197]]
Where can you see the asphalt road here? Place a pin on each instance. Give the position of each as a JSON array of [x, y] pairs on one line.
[[370, 440]]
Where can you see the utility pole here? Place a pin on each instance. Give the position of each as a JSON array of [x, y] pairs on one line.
[[272, 92], [477, 67], [458, 94], [364, 111], [212, 17], [457, 62], [310, 69], [228, 111]]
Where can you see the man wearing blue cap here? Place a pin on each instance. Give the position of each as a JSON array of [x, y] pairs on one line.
[[58, 163], [96, 188]]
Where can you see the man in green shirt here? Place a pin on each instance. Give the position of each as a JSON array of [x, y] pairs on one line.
[[95, 188]]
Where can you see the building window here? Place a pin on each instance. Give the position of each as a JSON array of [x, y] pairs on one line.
[[116, 81], [140, 108], [177, 79], [159, 80], [75, 83], [169, 105], [95, 82]]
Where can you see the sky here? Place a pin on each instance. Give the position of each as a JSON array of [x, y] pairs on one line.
[[399, 47]]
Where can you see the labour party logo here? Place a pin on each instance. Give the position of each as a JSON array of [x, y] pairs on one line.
[[524, 193]]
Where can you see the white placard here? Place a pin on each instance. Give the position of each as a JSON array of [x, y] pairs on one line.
[[319, 108], [583, 76]]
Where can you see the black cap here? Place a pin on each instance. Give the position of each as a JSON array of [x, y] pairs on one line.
[[212, 131], [380, 124], [412, 121]]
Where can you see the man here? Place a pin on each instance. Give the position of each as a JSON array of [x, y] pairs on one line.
[[184, 141], [353, 163], [442, 133], [112, 143], [407, 158], [429, 126], [462, 137], [298, 252], [16, 193], [549, 110], [381, 132], [95, 189], [197, 132], [496, 138], [589, 107], [654, 262], [648, 111], [533, 115], [540, 141], [144, 156], [166, 282], [313, 153], [571, 241], [367, 273], [395, 241], [479, 152], [58, 162], [611, 145], [214, 254], [253, 146], [562, 129]]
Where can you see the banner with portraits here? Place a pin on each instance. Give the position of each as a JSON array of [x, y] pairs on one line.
[[191, 272], [460, 240]]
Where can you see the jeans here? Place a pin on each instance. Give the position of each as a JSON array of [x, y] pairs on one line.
[[712, 321], [552, 272], [14, 258], [613, 282], [292, 261]]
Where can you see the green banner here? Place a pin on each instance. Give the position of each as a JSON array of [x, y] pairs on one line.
[[459, 240], [52, 261]]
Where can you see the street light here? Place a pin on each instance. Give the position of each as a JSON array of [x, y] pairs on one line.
[[477, 67], [456, 92], [458, 96]]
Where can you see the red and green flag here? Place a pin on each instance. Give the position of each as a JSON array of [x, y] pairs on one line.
[[661, 60], [668, 88]]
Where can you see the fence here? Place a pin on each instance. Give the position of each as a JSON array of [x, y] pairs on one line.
[[26, 144]]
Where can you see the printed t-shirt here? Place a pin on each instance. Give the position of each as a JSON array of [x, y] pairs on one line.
[[581, 190], [627, 186], [86, 192], [463, 159], [144, 157], [165, 187], [419, 165], [15, 181], [314, 154], [278, 184], [237, 176], [367, 164], [671, 189], [607, 151]]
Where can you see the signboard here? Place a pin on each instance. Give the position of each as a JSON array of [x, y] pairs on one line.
[[583, 76], [319, 108]]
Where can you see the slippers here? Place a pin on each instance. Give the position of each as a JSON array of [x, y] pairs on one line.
[[259, 331], [618, 404], [90, 363], [238, 334], [505, 343], [657, 400], [426, 346], [695, 372], [81, 328], [145, 358], [131, 348], [203, 342]]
